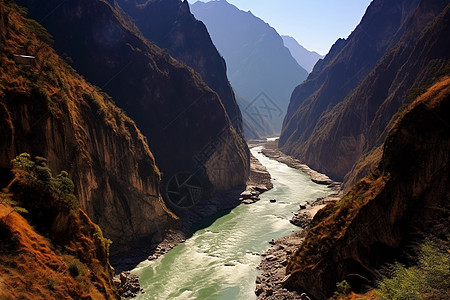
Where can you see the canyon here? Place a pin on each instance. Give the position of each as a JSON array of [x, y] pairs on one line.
[[260, 68], [130, 103]]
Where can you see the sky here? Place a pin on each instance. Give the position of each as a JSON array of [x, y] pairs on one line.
[[315, 24]]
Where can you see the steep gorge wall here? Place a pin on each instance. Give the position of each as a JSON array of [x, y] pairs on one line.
[[174, 108], [406, 198], [359, 124], [321, 97], [53, 112], [170, 24]]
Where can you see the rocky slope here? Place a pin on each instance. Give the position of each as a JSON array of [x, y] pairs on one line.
[[402, 201], [171, 25], [327, 130], [305, 58], [257, 60], [54, 255], [47, 109], [184, 120]]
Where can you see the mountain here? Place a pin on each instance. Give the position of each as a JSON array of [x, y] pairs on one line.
[[49, 247], [170, 24], [184, 120], [331, 114], [260, 67], [403, 200], [48, 110], [305, 58], [404, 103]]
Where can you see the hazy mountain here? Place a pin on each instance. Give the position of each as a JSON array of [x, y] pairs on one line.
[[305, 58], [260, 67]]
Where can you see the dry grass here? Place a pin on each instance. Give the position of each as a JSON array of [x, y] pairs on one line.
[[34, 271]]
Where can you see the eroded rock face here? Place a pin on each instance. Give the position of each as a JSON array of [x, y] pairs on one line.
[[385, 212], [53, 112], [179, 114], [321, 127], [170, 24]]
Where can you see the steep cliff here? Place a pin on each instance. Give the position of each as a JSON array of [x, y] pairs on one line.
[[257, 61], [47, 109], [51, 255], [171, 25], [403, 200], [179, 114], [333, 79]]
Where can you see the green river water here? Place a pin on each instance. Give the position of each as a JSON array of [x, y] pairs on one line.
[[219, 262]]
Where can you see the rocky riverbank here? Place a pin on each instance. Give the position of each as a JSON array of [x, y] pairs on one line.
[[271, 150], [270, 282]]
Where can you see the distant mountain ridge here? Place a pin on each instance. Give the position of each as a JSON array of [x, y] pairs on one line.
[[260, 67], [305, 58]]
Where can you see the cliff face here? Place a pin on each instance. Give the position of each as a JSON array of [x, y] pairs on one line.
[[171, 25], [47, 109], [257, 61], [179, 114], [405, 198], [315, 129]]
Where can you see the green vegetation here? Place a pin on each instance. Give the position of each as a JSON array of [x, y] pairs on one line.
[[38, 173], [418, 91], [101, 240], [39, 30], [429, 279], [342, 290], [4, 199]]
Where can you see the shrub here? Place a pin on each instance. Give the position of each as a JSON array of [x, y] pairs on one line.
[[23, 161], [429, 279], [38, 173], [51, 284], [74, 270], [44, 175], [342, 290]]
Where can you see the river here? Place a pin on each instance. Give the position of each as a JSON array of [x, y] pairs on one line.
[[220, 261]]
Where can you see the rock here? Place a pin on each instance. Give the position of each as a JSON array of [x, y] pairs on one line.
[[127, 284], [261, 188], [273, 200], [271, 258], [269, 292], [123, 277], [248, 201], [259, 291], [304, 297], [302, 206], [246, 194], [302, 220]]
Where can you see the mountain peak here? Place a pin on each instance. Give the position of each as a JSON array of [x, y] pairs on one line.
[[305, 58]]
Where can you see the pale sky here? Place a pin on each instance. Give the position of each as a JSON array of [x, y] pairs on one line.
[[315, 24]]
